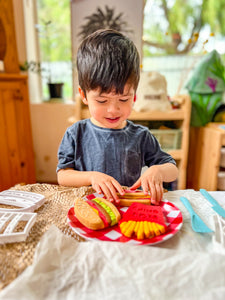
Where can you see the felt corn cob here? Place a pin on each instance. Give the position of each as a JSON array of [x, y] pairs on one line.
[[143, 221]]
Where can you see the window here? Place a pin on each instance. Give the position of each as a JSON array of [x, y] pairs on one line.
[[49, 43], [55, 44], [176, 34], [52, 45]]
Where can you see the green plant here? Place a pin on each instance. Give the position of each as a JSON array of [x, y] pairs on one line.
[[218, 69], [55, 88], [31, 66], [45, 33], [44, 68]]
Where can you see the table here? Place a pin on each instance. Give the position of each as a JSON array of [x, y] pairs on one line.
[[187, 266], [58, 201]]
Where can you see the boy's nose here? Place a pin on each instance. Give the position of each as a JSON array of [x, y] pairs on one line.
[[113, 107]]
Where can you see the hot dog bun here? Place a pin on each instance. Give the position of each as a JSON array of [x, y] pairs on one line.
[[134, 196], [97, 213]]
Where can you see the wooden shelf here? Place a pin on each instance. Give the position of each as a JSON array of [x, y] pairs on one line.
[[12, 77], [175, 114], [182, 115], [204, 156], [177, 154]]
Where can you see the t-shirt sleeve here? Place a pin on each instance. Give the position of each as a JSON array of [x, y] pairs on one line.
[[66, 152], [154, 155]]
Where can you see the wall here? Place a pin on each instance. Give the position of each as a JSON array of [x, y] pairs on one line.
[[132, 13], [49, 122], [27, 46]]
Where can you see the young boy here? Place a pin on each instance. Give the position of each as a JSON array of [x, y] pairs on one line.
[[108, 151]]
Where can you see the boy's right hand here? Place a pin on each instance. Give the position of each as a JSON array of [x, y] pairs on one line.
[[107, 185]]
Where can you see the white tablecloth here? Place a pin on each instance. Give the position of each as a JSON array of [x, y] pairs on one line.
[[188, 266]]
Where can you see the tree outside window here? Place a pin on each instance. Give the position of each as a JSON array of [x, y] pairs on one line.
[[55, 44], [181, 30], [178, 29]]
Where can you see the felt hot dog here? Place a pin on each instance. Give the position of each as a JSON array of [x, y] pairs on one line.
[[97, 213]]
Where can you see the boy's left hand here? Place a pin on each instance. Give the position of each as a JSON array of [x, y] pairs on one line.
[[151, 182]]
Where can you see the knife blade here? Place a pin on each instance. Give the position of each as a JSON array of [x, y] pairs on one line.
[[215, 205]]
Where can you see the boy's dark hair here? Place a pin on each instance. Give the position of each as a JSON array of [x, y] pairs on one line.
[[107, 59]]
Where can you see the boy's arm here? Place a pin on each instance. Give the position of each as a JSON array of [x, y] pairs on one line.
[[100, 182], [71, 177], [152, 180]]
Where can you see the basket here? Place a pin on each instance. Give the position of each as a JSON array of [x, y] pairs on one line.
[[169, 139]]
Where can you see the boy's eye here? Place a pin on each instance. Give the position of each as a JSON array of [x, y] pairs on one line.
[[123, 100], [101, 101]]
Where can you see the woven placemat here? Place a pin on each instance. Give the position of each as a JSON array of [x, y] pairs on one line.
[[16, 257]]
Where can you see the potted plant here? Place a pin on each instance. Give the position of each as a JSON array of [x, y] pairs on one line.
[[45, 32], [55, 87]]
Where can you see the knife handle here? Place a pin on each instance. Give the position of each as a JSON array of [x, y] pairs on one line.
[[208, 197], [187, 204]]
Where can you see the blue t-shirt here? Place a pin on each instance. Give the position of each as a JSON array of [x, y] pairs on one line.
[[120, 153]]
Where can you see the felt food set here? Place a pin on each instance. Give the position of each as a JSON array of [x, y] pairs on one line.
[[143, 221], [134, 196], [95, 218], [97, 213], [140, 220]]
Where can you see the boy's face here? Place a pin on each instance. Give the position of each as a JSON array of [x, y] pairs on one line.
[[109, 110]]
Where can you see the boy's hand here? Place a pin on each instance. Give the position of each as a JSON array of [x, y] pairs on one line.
[[151, 181], [107, 185]]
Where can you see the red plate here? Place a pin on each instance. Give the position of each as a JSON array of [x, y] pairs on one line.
[[172, 214]]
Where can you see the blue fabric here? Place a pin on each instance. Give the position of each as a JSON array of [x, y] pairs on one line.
[[120, 153]]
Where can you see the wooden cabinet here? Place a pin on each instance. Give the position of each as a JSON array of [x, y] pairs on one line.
[[8, 46], [204, 156], [16, 148], [180, 116]]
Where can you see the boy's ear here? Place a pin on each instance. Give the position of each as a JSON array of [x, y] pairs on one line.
[[81, 92]]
